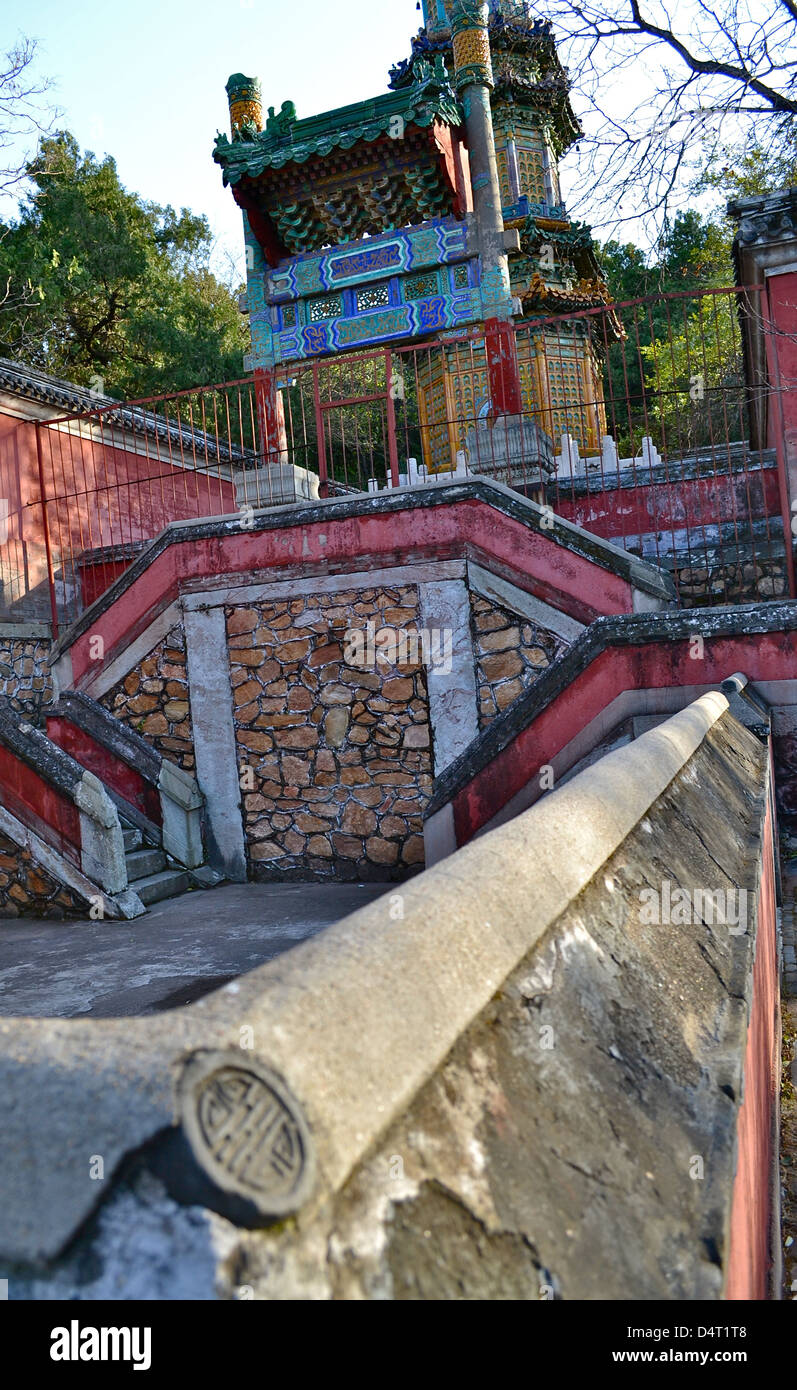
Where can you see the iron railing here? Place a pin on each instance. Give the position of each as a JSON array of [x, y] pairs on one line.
[[638, 423]]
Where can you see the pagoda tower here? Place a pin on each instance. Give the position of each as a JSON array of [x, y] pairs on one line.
[[554, 269], [432, 208]]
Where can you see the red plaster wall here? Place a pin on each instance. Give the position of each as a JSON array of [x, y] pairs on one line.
[[665, 507], [40, 806], [108, 496], [538, 563], [751, 1213], [112, 771], [769, 656]]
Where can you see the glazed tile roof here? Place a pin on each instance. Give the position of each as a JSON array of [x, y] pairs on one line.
[[31, 384], [287, 140], [67, 398]]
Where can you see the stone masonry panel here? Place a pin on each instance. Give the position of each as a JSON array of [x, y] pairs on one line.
[[154, 700], [25, 676], [28, 890], [510, 654], [333, 735]]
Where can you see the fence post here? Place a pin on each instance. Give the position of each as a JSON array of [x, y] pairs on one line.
[[392, 442], [46, 532], [782, 431], [502, 366], [271, 412], [323, 483]]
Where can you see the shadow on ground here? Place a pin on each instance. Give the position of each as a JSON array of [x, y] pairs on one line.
[[182, 949]]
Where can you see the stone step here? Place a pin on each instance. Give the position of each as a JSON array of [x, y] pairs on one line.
[[132, 839], [163, 885], [143, 863]]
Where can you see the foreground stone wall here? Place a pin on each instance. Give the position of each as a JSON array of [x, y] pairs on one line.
[[28, 890], [155, 701], [510, 654], [25, 676], [335, 758], [596, 1096], [483, 1086]]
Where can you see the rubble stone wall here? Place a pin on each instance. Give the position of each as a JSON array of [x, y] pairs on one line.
[[28, 890], [24, 673], [730, 581], [334, 739], [154, 700], [510, 654]]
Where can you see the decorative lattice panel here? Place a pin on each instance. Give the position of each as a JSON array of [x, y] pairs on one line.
[[329, 306], [373, 297], [421, 286], [575, 404], [503, 177], [453, 392], [531, 172], [433, 405]]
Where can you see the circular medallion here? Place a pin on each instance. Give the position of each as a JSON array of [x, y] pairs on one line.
[[247, 1131]]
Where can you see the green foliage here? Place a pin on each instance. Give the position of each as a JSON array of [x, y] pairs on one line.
[[108, 285], [695, 380], [680, 353], [745, 173], [356, 435]]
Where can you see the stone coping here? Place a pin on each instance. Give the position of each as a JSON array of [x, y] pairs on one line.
[[639, 573], [723, 466], [626, 630], [110, 733], [26, 630], [324, 1040], [34, 748]]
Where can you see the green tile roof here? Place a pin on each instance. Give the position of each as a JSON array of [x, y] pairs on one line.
[[287, 140]]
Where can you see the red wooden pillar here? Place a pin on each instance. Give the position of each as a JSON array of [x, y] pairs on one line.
[[270, 417], [781, 351], [502, 367], [765, 252]]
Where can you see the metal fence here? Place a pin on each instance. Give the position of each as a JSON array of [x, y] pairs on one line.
[[639, 423]]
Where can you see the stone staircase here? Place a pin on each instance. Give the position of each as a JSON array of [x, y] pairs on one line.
[[150, 872]]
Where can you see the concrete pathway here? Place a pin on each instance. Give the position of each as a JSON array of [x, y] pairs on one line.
[[183, 948]]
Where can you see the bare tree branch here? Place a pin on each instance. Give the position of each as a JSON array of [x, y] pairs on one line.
[[663, 92]]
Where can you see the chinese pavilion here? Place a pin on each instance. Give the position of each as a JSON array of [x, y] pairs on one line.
[[433, 207]]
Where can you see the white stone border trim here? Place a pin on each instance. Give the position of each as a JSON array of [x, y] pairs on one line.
[[215, 747], [497, 590], [121, 666]]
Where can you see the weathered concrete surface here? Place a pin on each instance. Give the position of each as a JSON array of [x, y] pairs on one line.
[[182, 949], [214, 740], [526, 1165], [576, 1142], [445, 607], [554, 1154]]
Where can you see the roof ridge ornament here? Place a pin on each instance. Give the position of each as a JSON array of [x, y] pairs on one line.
[[281, 123]]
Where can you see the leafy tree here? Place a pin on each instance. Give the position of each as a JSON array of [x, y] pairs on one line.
[[23, 116], [672, 335], [111, 286]]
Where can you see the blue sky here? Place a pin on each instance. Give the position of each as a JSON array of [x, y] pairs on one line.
[[145, 81]]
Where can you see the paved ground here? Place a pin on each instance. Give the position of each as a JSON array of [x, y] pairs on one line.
[[180, 950]]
